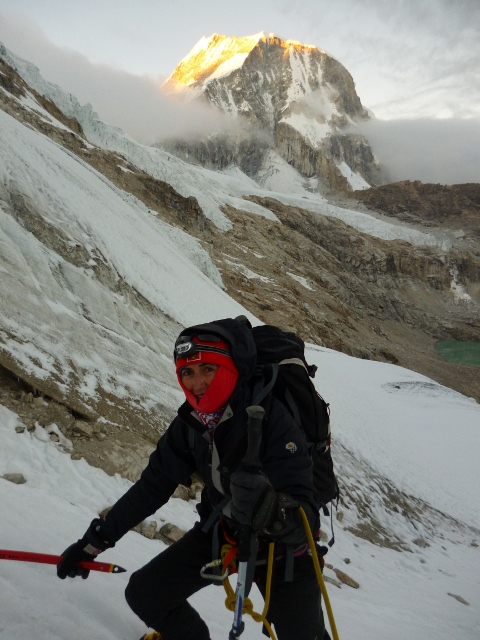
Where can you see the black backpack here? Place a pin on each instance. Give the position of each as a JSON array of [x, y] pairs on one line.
[[283, 372]]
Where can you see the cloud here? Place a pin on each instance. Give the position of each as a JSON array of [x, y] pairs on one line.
[[136, 104], [407, 58], [398, 50], [431, 150]]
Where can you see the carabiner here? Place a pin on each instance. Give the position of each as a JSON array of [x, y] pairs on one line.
[[213, 576]]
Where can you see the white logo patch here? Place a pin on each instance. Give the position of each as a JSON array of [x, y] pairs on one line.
[[291, 446]]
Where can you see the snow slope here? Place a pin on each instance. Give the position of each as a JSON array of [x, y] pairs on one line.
[[85, 325], [400, 423], [400, 595]]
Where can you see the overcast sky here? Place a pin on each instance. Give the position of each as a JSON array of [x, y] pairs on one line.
[[415, 60]]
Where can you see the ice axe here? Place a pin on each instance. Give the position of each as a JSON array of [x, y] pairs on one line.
[[46, 558], [250, 462]]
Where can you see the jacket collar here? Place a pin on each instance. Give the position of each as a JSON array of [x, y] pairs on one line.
[[191, 418]]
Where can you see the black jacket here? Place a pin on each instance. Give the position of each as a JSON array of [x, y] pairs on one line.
[[183, 449]]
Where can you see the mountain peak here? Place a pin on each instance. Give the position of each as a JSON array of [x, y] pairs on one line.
[[301, 97], [211, 58], [217, 56]]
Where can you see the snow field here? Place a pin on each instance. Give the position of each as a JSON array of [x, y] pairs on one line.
[[62, 315], [90, 210], [400, 595], [416, 432]]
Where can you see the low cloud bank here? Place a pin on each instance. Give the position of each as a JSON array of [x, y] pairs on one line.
[[136, 104], [437, 151]]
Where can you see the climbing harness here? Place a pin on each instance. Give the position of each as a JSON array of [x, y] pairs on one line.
[[227, 562], [247, 603], [246, 551]]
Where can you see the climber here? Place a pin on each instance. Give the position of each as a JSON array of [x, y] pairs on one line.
[[215, 364]]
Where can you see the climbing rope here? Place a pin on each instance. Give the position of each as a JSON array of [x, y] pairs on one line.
[[155, 635], [318, 571], [228, 554]]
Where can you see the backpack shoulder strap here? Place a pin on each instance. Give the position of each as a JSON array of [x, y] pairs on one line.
[[298, 361], [261, 390], [292, 405]]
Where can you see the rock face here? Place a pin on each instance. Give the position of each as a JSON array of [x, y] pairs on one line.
[[457, 205], [287, 96]]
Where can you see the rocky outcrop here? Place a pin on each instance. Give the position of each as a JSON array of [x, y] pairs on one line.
[[371, 298], [222, 151], [322, 163], [15, 478], [346, 579], [455, 206], [15, 85], [300, 97]]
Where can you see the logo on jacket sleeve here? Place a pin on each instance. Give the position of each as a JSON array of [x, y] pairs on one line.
[[291, 446]]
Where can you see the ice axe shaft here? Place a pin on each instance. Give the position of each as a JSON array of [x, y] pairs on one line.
[[255, 419], [251, 461], [46, 558]]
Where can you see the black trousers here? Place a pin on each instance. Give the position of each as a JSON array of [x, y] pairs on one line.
[[158, 593]]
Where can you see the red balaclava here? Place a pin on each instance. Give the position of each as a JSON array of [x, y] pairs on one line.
[[222, 385]]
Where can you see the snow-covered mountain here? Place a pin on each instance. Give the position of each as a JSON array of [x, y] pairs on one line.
[[213, 190], [99, 269], [291, 98]]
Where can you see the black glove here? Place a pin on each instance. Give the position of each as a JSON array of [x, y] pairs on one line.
[[287, 525], [254, 501], [85, 549]]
